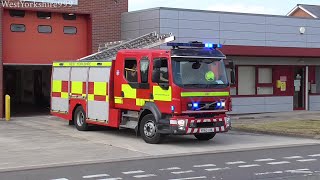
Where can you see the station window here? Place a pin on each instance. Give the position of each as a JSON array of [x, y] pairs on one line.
[[144, 69], [130, 70], [18, 28], [44, 29], [69, 16], [69, 30], [44, 15], [17, 13], [264, 85]]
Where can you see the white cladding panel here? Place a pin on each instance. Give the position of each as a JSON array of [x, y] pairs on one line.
[[79, 74], [61, 73], [98, 74], [59, 104]]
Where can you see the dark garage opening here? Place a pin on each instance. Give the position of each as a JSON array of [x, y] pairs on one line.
[[29, 88]]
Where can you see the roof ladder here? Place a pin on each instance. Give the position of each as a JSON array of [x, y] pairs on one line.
[[109, 50]]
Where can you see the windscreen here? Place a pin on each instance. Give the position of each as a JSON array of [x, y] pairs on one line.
[[199, 73]]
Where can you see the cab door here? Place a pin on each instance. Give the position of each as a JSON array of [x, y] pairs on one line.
[[144, 91]]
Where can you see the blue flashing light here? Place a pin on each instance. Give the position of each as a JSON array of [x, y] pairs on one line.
[[198, 44], [195, 105], [219, 45], [218, 104], [172, 108]]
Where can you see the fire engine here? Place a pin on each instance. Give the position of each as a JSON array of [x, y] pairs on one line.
[[179, 90]]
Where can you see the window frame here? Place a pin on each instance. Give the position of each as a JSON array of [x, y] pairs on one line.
[[45, 26], [64, 31], [44, 13], [15, 10], [65, 15], [134, 85], [25, 28]]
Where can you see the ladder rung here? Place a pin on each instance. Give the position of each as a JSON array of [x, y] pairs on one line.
[[110, 50]]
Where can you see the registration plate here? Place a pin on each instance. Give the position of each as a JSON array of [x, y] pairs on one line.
[[206, 130]]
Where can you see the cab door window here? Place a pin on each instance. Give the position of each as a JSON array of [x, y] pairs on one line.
[[130, 70], [164, 74], [144, 69]]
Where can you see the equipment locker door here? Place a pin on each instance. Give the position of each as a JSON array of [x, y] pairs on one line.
[[98, 94], [60, 89]]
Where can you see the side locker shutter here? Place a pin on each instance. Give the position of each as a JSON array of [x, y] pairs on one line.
[[78, 81], [60, 89], [98, 93]]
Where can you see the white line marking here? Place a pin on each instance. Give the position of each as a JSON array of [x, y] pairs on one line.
[[314, 155], [299, 171], [293, 157], [61, 179], [144, 175], [306, 160], [95, 176], [200, 177], [133, 172], [182, 172], [264, 160], [170, 168], [204, 165], [217, 169], [266, 173], [280, 162], [249, 165], [118, 178], [235, 162]]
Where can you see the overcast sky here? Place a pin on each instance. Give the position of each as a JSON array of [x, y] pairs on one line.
[[276, 7]]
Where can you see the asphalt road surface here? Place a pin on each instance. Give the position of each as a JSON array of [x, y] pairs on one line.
[[291, 163]]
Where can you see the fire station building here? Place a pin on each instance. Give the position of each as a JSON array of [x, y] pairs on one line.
[[277, 58], [35, 33]]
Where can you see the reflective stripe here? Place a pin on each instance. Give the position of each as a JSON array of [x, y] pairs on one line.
[[160, 94], [118, 100], [90, 97], [82, 64], [203, 94], [142, 102], [100, 88], [56, 86], [64, 95], [128, 91], [76, 87]]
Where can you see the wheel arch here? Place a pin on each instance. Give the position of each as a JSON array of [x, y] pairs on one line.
[[148, 108]]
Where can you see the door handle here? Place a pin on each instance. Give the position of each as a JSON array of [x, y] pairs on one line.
[[122, 94], [151, 96]]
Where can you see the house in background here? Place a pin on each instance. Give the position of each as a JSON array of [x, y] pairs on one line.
[[305, 10]]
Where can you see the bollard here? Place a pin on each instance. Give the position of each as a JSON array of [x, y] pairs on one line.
[[7, 107]]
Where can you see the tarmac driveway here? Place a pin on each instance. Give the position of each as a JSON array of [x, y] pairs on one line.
[[46, 141]]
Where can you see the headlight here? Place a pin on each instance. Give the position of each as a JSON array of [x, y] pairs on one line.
[[181, 122], [223, 104]]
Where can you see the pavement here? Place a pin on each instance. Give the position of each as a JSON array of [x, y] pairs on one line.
[[293, 163], [46, 141]]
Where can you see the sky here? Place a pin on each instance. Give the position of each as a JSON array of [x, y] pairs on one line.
[[275, 7]]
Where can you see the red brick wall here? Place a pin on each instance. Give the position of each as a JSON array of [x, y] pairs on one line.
[[105, 20]]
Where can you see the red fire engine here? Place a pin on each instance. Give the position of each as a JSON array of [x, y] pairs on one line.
[[156, 92]]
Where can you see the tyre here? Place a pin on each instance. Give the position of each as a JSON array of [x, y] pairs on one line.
[[204, 137], [79, 119], [148, 130]]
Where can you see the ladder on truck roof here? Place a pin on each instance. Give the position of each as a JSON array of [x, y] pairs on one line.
[[110, 50]]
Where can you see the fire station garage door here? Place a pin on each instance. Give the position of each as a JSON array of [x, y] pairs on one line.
[[31, 37]]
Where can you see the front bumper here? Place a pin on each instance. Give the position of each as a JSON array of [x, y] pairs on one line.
[[191, 125]]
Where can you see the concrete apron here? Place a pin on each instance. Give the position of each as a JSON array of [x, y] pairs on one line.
[[45, 141]]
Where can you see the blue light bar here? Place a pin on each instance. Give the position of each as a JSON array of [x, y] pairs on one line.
[[200, 45], [195, 105], [218, 104]]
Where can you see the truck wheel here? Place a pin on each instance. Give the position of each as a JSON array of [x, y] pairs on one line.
[[204, 137], [148, 130], [79, 119]]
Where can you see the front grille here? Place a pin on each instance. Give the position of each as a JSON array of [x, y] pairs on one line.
[[210, 124], [204, 106]]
